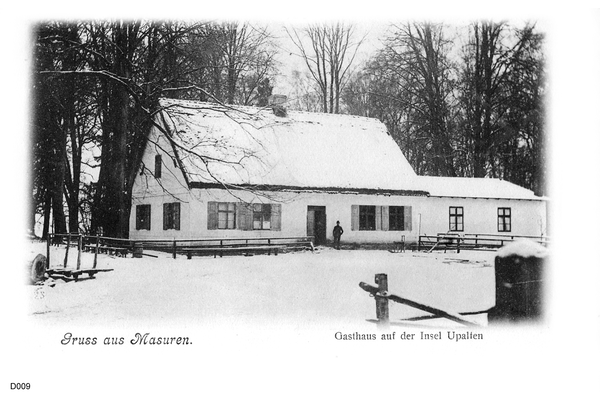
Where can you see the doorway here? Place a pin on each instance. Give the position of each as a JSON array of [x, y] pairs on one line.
[[316, 224]]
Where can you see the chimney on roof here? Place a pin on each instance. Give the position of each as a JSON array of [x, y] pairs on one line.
[[277, 104]]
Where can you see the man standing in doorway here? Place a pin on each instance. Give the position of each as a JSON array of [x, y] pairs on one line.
[[337, 234]]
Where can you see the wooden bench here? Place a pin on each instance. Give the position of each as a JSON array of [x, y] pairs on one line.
[[117, 251], [73, 274], [297, 243], [440, 242], [246, 250]]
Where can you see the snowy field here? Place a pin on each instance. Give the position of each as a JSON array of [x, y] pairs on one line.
[[301, 289]]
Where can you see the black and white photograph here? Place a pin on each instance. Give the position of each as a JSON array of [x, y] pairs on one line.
[[298, 204]]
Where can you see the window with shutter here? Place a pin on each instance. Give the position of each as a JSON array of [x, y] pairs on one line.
[[366, 218], [221, 215], [171, 216], [396, 218], [261, 218], [142, 215]]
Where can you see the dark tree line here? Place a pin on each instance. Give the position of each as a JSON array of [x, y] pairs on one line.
[[96, 88], [474, 109]]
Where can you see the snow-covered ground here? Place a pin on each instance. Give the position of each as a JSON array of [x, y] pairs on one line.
[[300, 289]]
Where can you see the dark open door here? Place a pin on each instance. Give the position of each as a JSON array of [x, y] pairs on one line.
[[316, 224]]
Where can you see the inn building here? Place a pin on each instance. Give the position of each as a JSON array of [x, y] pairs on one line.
[[213, 171]]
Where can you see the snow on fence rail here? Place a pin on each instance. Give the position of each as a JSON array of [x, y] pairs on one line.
[[471, 241]]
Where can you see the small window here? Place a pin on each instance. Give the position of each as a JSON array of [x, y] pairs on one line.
[[261, 217], [226, 215], [158, 166], [142, 217], [366, 218], [456, 219], [171, 215], [504, 219], [396, 218]]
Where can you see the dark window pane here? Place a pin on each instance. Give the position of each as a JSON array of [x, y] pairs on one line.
[[366, 218]]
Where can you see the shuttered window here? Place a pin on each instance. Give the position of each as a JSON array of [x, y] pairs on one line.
[[396, 218], [142, 217], [504, 219], [381, 218], [366, 218], [221, 215], [226, 215], [456, 219], [158, 166], [171, 216], [243, 216], [261, 217]]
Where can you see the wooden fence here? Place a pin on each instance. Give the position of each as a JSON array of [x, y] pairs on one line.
[[471, 241], [189, 247], [382, 298]]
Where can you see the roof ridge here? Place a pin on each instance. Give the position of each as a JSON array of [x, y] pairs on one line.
[[266, 108]]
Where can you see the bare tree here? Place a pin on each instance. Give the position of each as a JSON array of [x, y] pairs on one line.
[[475, 112], [101, 81], [492, 66], [413, 76], [328, 55]]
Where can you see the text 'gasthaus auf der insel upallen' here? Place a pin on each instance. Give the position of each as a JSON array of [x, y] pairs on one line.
[[421, 335]]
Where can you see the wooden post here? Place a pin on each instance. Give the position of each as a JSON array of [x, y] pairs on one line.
[[96, 250], [67, 251], [174, 249], [79, 247], [381, 303], [458, 246]]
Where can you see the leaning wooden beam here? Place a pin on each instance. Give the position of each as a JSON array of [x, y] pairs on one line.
[[433, 310]]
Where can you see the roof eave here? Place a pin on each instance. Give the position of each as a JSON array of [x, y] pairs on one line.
[[305, 189]]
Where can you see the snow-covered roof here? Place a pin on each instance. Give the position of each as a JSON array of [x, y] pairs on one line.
[[474, 188], [253, 146]]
